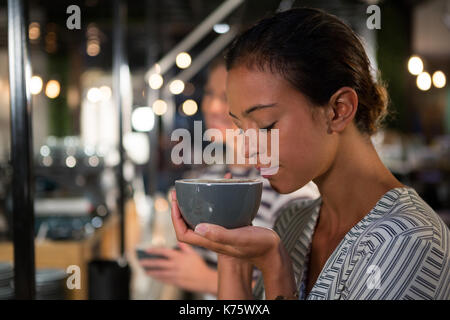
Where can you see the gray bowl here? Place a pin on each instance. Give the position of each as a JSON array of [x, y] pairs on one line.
[[230, 203]]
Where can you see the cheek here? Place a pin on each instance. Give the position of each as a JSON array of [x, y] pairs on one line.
[[304, 153]]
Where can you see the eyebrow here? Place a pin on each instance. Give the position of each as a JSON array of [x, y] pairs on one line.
[[253, 108]]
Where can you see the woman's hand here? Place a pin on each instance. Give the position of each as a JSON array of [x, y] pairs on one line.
[[238, 250], [184, 268]]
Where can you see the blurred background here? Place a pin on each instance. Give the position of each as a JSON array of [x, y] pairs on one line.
[[167, 47]]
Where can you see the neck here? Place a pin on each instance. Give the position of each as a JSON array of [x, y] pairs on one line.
[[353, 184]]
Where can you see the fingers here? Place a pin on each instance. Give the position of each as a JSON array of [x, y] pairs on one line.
[[179, 225], [157, 264], [216, 233], [177, 219], [166, 252], [183, 233], [173, 193], [186, 235], [161, 275], [195, 239], [186, 247]]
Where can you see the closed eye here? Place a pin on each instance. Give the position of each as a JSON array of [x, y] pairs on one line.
[[269, 127]]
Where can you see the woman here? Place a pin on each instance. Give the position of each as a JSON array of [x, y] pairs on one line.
[[368, 236], [195, 270]]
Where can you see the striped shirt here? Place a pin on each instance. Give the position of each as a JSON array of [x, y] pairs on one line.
[[399, 250]]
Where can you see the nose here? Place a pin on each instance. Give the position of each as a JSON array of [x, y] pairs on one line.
[[250, 144]]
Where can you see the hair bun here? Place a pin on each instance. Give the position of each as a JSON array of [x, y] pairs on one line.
[[378, 108]]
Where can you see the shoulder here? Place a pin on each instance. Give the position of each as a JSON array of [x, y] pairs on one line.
[[408, 217], [408, 246]]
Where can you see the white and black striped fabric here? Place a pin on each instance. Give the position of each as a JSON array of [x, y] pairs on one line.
[[399, 250]]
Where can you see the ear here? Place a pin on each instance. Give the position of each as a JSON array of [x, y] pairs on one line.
[[343, 105]]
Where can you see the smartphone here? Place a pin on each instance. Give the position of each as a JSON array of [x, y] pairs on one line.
[[143, 254]]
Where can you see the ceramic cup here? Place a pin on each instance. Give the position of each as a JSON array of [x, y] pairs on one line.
[[230, 203]]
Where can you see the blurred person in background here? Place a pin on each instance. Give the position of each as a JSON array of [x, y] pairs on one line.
[[194, 269]]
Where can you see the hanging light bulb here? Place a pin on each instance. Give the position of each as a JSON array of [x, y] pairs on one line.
[[155, 81], [221, 28], [183, 60], [159, 107], [52, 89], [143, 119], [94, 95], [36, 85], [415, 65], [424, 81], [190, 107], [106, 92], [176, 86], [439, 79]]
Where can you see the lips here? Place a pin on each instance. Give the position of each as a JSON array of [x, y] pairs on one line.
[[266, 172]]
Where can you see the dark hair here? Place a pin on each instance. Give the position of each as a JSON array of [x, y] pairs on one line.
[[316, 53]]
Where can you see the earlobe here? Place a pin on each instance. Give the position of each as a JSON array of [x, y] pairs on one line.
[[327, 115], [330, 118]]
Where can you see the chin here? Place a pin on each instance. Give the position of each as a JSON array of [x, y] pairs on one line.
[[281, 189], [283, 186], [277, 184]]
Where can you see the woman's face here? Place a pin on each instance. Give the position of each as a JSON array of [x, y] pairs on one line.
[[260, 100], [214, 103]]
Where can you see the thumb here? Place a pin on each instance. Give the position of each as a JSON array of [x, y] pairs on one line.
[[218, 233]]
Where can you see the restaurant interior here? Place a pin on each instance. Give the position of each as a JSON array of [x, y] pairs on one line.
[[91, 91]]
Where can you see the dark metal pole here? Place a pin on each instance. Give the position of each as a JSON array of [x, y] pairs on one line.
[[21, 150], [152, 55], [118, 62]]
